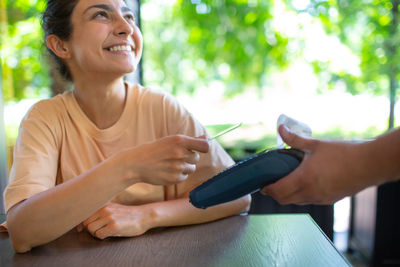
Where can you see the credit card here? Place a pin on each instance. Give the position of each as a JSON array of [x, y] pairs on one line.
[[225, 131]]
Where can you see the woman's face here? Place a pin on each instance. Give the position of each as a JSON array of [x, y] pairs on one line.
[[104, 38]]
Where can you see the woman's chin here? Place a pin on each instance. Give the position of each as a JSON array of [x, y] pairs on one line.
[[125, 71], [131, 70]]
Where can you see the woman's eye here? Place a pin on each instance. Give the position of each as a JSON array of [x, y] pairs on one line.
[[100, 14], [130, 17]]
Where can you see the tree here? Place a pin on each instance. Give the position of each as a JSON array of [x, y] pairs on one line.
[[234, 41], [24, 66], [192, 43], [195, 42], [371, 29]]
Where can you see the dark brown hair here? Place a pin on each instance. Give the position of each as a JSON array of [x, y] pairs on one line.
[[56, 19]]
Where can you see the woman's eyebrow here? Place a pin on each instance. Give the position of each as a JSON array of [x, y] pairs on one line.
[[108, 8], [126, 9]]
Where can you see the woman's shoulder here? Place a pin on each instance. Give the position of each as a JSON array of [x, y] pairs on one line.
[[50, 108]]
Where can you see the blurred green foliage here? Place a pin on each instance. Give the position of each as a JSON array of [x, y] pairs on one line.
[[11, 133], [24, 68], [190, 44], [193, 43], [370, 28]]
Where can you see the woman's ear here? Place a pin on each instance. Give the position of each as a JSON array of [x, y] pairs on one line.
[[58, 46]]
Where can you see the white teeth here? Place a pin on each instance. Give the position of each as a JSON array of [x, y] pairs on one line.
[[120, 48]]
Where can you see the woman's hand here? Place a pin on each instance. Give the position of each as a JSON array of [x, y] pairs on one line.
[[166, 161], [329, 172], [117, 220]]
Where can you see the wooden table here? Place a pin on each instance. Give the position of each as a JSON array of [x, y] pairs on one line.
[[255, 240]]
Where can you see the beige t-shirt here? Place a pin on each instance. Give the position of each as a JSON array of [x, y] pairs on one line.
[[58, 142]]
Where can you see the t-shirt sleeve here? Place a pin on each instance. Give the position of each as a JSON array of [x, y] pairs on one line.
[[35, 157], [181, 121]]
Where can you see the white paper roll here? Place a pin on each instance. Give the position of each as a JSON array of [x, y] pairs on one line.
[[299, 128]]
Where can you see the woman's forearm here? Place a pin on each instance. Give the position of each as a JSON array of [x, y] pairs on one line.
[[49, 214], [180, 212]]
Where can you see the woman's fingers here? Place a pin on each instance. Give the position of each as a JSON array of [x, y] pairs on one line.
[[177, 171], [104, 232], [80, 227], [168, 160], [94, 226], [195, 144], [192, 157], [91, 219], [188, 168]]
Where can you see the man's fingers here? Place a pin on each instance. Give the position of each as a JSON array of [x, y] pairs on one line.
[[295, 140], [293, 198], [283, 189]]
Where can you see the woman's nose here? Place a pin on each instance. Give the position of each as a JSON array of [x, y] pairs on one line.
[[123, 27]]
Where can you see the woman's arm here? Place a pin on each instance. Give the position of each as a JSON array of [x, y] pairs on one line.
[[49, 214], [120, 220], [182, 212]]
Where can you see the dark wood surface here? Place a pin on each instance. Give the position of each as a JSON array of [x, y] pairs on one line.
[[255, 240], [321, 214]]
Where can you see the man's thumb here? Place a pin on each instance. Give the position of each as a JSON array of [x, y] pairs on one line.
[[290, 138]]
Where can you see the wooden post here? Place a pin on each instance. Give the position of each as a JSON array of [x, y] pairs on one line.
[[3, 151], [136, 76], [4, 70]]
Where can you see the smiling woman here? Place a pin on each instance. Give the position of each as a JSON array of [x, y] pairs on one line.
[[111, 157]]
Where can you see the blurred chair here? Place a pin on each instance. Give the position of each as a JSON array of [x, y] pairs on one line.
[[375, 225]]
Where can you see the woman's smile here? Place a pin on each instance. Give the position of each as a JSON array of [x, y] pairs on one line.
[[122, 49]]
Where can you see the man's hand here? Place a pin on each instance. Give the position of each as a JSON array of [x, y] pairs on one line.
[[329, 172]]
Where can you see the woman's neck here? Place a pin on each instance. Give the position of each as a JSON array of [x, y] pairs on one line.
[[102, 101]]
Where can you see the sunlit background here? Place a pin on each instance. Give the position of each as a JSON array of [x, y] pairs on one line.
[[329, 64], [318, 98]]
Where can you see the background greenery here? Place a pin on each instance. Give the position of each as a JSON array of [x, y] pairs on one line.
[[235, 41], [193, 43], [24, 68]]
